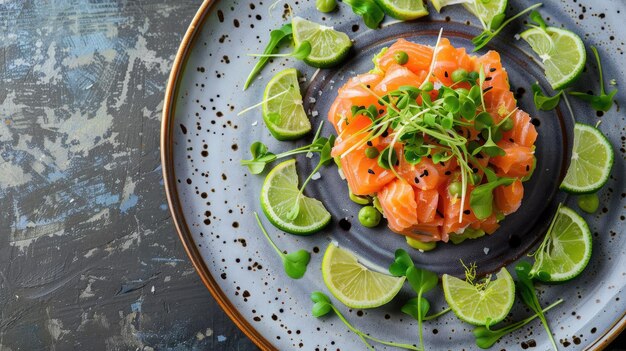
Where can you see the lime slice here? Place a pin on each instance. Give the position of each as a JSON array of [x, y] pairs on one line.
[[592, 160], [562, 52], [355, 285], [283, 112], [478, 306], [404, 10], [438, 4], [486, 10], [328, 46], [565, 252], [278, 196]]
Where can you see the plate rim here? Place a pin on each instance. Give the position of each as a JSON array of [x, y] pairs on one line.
[[178, 218]]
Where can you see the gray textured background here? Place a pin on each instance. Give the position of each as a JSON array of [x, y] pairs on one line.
[[89, 258]]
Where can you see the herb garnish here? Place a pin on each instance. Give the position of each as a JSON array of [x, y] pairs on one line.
[[276, 37], [301, 52], [294, 263], [602, 102], [497, 24], [261, 156], [486, 337], [322, 306], [545, 102], [421, 281], [526, 290], [368, 9]]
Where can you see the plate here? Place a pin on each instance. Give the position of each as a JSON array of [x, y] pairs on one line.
[[212, 198]]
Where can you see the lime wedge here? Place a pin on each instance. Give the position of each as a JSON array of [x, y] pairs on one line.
[[328, 46], [438, 4], [592, 160], [566, 250], [485, 11], [476, 305], [562, 52], [404, 10], [283, 112], [355, 285], [279, 195]]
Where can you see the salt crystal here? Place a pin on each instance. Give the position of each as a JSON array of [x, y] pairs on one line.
[[316, 176], [254, 123], [309, 154], [486, 250], [517, 37], [312, 100], [314, 113], [341, 175]]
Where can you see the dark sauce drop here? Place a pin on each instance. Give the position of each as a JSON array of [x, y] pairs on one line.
[[514, 241], [344, 224]]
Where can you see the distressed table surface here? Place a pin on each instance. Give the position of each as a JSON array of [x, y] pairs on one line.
[[89, 258]]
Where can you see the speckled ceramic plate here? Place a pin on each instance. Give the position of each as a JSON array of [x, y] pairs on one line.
[[212, 197]]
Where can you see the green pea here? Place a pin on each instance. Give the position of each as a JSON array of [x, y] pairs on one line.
[[459, 75], [369, 216], [507, 124], [401, 57], [325, 5], [589, 202], [371, 152], [428, 86], [473, 76], [455, 188], [420, 245]]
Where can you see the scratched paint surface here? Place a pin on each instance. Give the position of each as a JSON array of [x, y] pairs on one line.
[[89, 258]]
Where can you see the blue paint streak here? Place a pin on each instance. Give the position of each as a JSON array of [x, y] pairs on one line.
[[107, 199], [136, 306], [128, 204], [165, 259], [221, 338], [54, 176], [163, 207]]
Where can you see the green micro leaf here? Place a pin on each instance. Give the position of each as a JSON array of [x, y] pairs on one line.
[[368, 9], [545, 102], [421, 280], [401, 263], [481, 198], [276, 37], [416, 308], [603, 101]]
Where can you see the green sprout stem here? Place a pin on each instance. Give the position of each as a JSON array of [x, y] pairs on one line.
[[267, 236], [364, 336], [437, 315]]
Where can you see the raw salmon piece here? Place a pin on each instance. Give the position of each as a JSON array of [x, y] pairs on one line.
[[354, 133], [398, 202], [517, 161], [425, 232], [499, 103], [451, 208], [396, 77], [495, 74], [354, 91], [339, 113], [509, 197], [427, 201], [445, 62], [364, 175], [523, 132], [424, 175], [419, 56], [490, 224]]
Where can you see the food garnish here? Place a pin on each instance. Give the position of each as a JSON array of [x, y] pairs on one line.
[[294, 263]]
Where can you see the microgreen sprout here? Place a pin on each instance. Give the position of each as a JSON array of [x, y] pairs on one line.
[[494, 28], [368, 9], [301, 52], [322, 305], [261, 156], [526, 290], [276, 37], [294, 263], [545, 102], [421, 281], [485, 337], [602, 102]]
